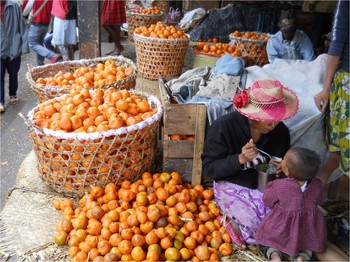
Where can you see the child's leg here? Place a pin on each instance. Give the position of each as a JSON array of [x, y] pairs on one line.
[[304, 255], [271, 253]]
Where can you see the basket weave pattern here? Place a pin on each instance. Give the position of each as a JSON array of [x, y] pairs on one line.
[[136, 20], [72, 163], [160, 57], [256, 49], [201, 59], [45, 93]]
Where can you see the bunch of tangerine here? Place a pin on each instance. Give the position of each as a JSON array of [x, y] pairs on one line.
[[95, 111], [251, 35], [219, 49], [154, 10], [156, 218], [160, 30], [87, 77]]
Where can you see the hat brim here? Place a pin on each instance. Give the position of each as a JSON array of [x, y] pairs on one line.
[[285, 110]]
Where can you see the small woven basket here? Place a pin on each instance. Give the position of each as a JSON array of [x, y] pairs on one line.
[[158, 57], [201, 59], [256, 49], [45, 93], [72, 163], [135, 20]]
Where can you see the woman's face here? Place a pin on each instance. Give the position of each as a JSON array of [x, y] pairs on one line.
[[263, 127]]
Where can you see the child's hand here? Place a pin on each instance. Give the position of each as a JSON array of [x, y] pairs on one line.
[[278, 166]]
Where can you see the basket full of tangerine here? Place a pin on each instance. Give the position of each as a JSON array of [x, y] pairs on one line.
[[160, 51], [142, 17], [93, 137], [206, 55], [54, 80], [254, 44]]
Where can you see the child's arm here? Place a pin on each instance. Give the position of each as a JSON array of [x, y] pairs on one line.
[[270, 198]]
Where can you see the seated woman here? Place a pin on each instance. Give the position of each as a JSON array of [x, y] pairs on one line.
[[289, 43], [230, 149]]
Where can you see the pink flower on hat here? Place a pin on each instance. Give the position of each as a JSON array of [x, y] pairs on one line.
[[241, 99]]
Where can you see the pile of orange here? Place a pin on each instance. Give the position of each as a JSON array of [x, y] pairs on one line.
[[88, 77], [154, 10], [214, 40], [160, 30], [95, 111], [218, 49], [177, 137], [156, 218], [250, 35]]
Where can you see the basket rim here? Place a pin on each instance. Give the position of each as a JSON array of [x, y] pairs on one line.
[[97, 135], [196, 52], [147, 38], [231, 37], [148, 15], [79, 62]]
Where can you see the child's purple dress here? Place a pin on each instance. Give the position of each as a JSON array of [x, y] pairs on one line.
[[294, 222]]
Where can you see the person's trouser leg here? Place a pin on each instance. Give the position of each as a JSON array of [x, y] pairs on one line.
[[13, 67], [36, 42], [2, 81]]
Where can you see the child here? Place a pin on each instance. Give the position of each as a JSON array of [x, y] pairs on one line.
[[294, 225]]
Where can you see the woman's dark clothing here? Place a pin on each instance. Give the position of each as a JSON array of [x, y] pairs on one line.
[[224, 141]]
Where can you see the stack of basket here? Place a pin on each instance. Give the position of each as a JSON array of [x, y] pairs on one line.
[[255, 48], [160, 57], [136, 20]]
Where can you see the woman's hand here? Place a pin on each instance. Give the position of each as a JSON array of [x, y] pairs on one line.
[[322, 99], [248, 152]]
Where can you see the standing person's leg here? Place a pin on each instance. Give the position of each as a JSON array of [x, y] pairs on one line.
[[114, 33], [13, 69], [2, 85], [34, 43]]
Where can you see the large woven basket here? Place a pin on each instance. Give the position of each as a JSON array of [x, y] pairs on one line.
[[135, 20], [256, 49], [72, 163], [158, 57], [45, 93]]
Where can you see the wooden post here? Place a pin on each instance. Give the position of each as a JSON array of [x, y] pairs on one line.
[[89, 29]]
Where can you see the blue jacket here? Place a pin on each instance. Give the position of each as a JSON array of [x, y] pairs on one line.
[[340, 35], [299, 48], [14, 35]]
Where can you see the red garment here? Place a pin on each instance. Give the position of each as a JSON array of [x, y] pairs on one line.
[[44, 16], [60, 8], [113, 12], [294, 222]]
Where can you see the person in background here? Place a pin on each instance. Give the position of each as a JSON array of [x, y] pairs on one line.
[[64, 27], [113, 16], [294, 226], [289, 43], [334, 98], [14, 43], [38, 28]]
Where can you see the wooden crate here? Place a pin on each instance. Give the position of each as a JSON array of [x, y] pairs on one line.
[[183, 156]]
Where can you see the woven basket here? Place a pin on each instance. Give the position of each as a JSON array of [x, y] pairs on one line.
[[135, 20], [45, 93], [163, 6], [201, 59], [158, 57], [256, 49], [72, 163]]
